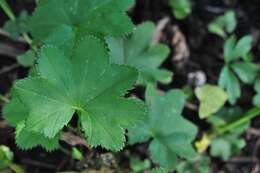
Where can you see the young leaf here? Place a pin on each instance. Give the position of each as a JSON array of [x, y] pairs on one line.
[[212, 98], [223, 24], [84, 83], [172, 134], [137, 165], [243, 46], [229, 47], [99, 17], [6, 157], [138, 51], [230, 143], [181, 8], [234, 51], [230, 83]]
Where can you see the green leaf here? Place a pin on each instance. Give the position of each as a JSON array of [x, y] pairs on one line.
[[138, 51], [230, 143], [138, 165], [18, 26], [181, 8], [223, 24], [76, 154], [27, 59], [200, 164], [246, 71], [222, 148], [212, 98], [6, 157], [99, 17], [243, 46], [86, 84], [15, 112], [172, 134], [229, 47], [230, 83], [27, 139], [234, 51]]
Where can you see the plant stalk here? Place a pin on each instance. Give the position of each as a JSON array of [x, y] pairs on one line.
[[244, 119], [8, 11], [4, 99]]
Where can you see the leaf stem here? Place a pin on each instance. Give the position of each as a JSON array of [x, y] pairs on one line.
[[246, 118], [6, 8], [4, 99]]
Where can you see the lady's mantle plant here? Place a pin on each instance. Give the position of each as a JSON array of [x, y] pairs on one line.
[[74, 76]]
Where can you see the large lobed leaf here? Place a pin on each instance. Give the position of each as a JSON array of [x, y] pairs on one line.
[[96, 17], [86, 84], [172, 134]]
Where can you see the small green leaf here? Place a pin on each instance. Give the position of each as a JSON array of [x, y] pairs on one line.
[[137, 165], [243, 46], [230, 143], [18, 26], [212, 98], [223, 24], [138, 51], [245, 71], [6, 157], [230, 83], [222, 148], [27, 59], [172, 134], [181, 8], [76, 154], [200, 164], [229, 47]]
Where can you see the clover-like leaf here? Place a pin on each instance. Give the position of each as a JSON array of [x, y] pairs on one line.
[[171, 133], [181, 8], [246, 71], [83, 83], [139, 52], [212, 98], [233, 49], [97, 17], [230, 83], [223, 24]]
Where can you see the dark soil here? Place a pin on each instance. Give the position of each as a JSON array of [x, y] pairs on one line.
[[205, 56]]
